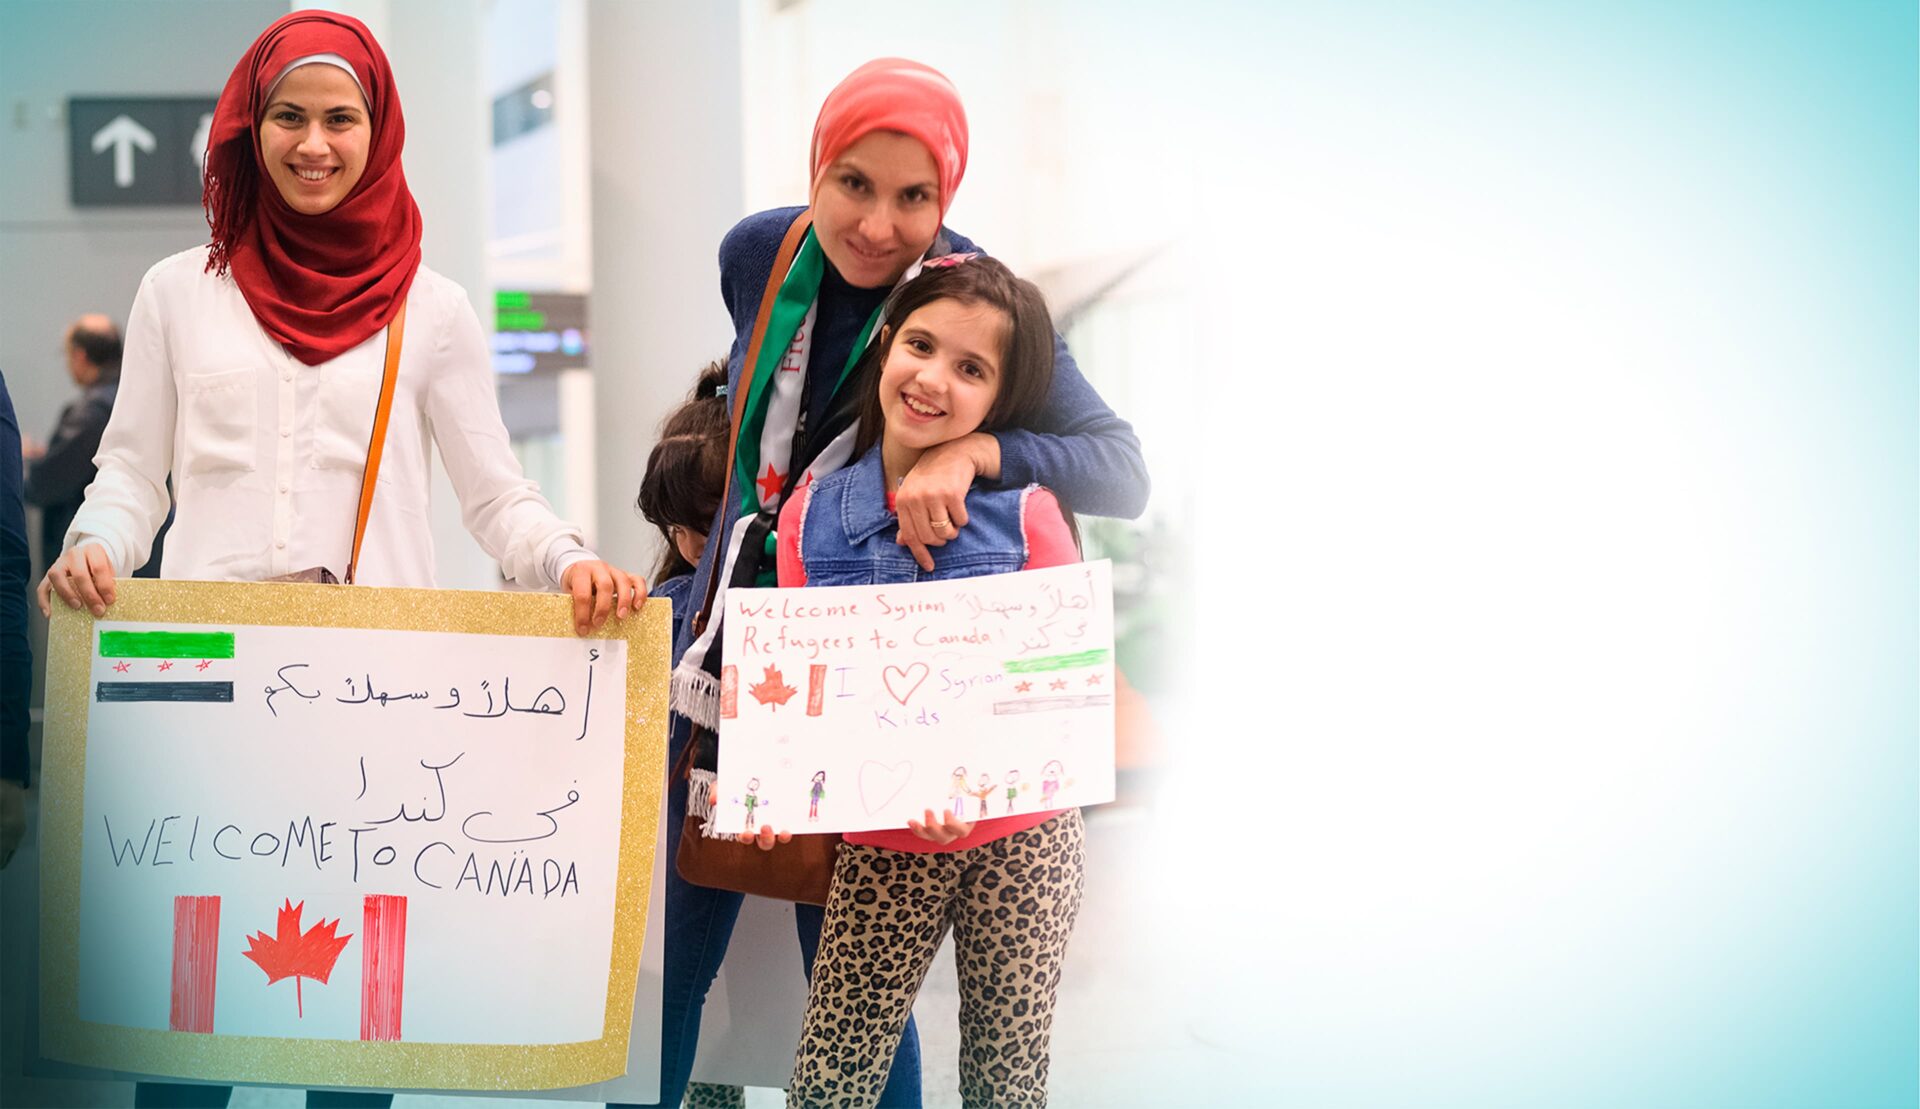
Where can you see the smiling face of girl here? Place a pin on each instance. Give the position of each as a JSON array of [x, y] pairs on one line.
[[314, 137], [967, 347], [941, 375]]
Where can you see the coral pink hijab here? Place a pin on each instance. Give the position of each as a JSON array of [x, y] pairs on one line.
[[324, 284], [894, 94]]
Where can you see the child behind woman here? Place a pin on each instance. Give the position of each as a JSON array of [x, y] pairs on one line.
[[685, 478], [966, 347]]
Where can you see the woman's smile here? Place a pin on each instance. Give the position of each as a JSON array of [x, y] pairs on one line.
[[871, 254]]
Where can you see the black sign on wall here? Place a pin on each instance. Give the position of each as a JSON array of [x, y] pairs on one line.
[[137, 151]]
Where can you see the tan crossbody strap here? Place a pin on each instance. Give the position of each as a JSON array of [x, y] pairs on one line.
[[782, 262], [395, 329]]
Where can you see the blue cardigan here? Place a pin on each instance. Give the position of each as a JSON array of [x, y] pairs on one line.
[[1077, 446]]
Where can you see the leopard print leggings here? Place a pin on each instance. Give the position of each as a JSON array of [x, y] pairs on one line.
[[1011, 904]]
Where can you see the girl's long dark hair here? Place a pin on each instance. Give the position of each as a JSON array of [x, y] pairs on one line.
[[687, 470], [1026, 366]]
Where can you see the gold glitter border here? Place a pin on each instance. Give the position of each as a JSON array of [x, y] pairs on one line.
[[277, 1059]]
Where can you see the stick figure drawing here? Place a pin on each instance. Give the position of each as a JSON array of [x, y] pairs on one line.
[[983, 791], [1050, 782], [752, 801]]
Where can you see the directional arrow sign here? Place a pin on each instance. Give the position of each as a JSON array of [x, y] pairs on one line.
[[127, 151], [123, 134]]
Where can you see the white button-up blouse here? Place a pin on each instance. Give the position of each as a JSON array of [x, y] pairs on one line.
[[267, 453]]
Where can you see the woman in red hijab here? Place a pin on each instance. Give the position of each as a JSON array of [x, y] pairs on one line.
[[253, 364], [889, 151]]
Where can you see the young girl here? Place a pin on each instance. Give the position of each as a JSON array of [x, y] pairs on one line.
[[966, 347], [685, 478]]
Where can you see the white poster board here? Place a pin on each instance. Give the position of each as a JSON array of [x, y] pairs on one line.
[[851, 708], [395, 838]]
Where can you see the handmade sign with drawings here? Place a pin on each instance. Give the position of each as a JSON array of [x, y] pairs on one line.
[[348, 837], [853, 708]]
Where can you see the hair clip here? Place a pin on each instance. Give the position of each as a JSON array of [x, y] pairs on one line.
[[720, 390], [949, 260]]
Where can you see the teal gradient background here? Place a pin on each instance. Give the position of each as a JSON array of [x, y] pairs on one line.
[[1558, 665]]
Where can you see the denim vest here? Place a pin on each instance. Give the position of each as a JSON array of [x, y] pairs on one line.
[[847, 536]]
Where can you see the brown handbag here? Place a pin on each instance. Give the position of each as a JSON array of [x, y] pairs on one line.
[[802, 868], [798, 870], [383, 408]]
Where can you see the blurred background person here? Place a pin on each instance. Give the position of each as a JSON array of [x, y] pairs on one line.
[[59, 471]]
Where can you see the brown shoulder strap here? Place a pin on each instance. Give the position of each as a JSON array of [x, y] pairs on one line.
[[395, 329], [782, 262]]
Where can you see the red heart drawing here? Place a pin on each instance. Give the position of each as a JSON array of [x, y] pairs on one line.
[[911, 678]]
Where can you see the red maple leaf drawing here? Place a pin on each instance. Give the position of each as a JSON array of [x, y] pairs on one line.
[[773, 690], [294, 954]]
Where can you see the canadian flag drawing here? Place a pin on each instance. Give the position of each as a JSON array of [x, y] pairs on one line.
[[293, 953]]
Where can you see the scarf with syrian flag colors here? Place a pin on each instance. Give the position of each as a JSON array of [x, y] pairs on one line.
[[320, 285], [773, 419], [774, 416]]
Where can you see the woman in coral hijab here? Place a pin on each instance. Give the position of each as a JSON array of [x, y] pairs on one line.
[[253, 365], [889, 150]]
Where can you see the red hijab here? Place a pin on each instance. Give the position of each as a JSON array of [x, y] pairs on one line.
[[894, 94], [324, 284]]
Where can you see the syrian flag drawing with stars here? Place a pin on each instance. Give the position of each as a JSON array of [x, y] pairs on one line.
[[181, 666]]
